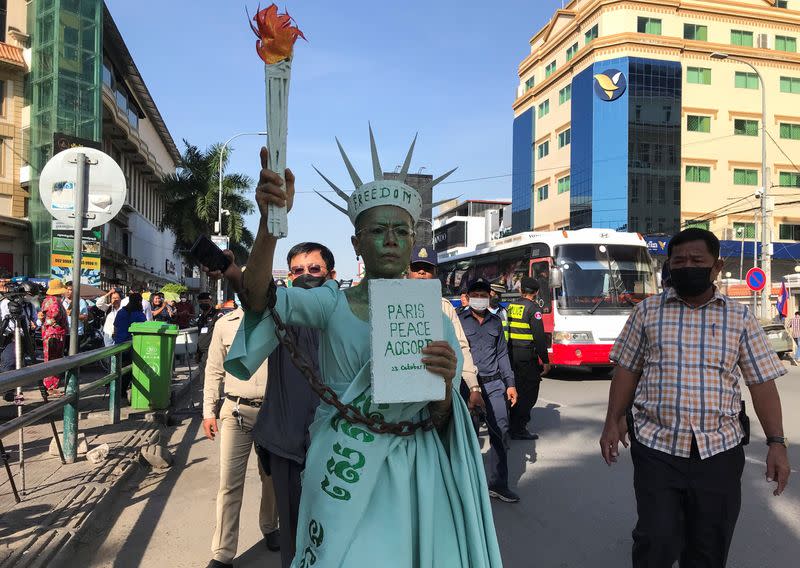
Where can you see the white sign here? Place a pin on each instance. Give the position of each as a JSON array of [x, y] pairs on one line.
[[405, 316], [105, 180], [220, 241]]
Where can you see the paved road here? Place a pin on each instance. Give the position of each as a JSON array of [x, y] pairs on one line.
[[575, 511]]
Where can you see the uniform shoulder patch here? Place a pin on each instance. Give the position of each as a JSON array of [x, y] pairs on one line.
[[537, 315]]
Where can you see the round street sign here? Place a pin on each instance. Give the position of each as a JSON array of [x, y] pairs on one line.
[[756, 279], [106, 186]]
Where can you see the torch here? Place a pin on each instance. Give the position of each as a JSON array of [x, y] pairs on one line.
[[276, 36]]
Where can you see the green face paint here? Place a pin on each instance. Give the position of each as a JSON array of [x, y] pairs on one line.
[[384, 239]]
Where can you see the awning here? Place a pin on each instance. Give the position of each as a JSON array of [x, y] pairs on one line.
[[11, 55], [657, 245]]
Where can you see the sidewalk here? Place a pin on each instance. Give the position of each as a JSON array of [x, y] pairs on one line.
[[62, 500]]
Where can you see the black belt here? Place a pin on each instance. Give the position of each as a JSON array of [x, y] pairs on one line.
[[483, 379], [245, 401]]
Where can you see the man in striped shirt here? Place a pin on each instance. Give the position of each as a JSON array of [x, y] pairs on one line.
[[681, 359], [793, 325]]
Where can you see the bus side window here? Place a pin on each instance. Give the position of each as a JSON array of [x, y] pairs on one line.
[[541, 271]]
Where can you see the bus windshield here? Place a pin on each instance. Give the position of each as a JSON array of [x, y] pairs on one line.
[[598, 277]]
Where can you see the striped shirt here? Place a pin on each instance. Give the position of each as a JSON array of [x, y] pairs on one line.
[[794, 326], [692, 361]]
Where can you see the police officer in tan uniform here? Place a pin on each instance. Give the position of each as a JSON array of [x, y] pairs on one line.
[[237, 415], [423, 267]]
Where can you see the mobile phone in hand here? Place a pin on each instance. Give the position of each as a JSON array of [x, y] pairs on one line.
[[209, 254]]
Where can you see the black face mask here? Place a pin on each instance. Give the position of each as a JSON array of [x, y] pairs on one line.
[[205, 307], [307, 281], [691, 281], [494, 301]]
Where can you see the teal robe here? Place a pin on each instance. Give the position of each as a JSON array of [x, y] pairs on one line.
[[376, 499]]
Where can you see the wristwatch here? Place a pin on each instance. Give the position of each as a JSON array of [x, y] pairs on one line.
[[476, 388], [776, 440]]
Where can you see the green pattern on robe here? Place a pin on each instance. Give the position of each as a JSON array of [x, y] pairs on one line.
[[383, 500]]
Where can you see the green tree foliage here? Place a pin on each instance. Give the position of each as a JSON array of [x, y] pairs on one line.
[[192, 198]]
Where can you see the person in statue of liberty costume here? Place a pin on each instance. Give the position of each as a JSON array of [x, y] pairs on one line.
[[370, 499]]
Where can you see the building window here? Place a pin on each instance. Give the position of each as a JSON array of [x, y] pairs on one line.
[[549, 69], [740, 37], [697, 225], [543, 149], [564, 138], [563, 184], [541, 193], [696, 123], [698, 75], [572, 50], [790, 131], [643, 154], [529, 84], [108, 75], [745, 177], [782, 4], [789, 232], [695, 31], [790, 85], [742, 127], [648, 26], [744, 230], [698, 174], [786, 43], [544, 108], [2, 98], [591, 34], [3, 165], [789, 179], [565, 94], [746, 80]]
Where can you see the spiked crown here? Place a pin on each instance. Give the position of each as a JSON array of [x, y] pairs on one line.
[[380, 191]]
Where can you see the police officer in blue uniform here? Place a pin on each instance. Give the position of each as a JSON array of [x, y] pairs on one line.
[[487, 342], [527, 344]]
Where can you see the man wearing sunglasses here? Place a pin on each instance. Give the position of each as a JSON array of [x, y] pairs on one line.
[[281, 430]]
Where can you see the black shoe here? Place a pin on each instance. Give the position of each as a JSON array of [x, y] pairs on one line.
[[218, 564], [524, 435], [273, 540], [504, 494]]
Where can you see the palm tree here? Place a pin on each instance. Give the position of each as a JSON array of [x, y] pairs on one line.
[[191, 197]]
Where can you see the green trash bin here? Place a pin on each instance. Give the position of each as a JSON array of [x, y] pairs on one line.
[[153, 349]]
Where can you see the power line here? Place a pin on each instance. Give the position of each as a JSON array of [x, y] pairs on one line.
[[570, 167]]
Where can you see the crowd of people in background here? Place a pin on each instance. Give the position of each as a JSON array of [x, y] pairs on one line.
[[103, 320]]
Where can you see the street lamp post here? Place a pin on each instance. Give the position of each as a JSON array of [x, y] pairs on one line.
[[766, 224], [219, 209]]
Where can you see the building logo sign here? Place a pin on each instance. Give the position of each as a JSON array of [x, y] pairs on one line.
[[610, 84]]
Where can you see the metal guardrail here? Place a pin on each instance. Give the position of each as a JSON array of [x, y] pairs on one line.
[[71, 366]]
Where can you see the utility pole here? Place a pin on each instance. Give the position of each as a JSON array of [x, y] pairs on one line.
[[766, 201]]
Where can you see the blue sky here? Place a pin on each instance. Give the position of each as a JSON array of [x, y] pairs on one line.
[[446, 69]]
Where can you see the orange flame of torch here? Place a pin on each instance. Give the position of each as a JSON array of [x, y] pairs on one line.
[[276, 34]]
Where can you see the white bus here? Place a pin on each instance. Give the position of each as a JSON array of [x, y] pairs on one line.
[[589, 281]]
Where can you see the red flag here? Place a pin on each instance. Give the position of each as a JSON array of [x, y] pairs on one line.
[[783, 301]]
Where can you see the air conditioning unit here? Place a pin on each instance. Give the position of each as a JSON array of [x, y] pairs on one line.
[[763, 41]]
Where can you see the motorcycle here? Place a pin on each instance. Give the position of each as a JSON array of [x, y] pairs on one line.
[[92, 337]]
